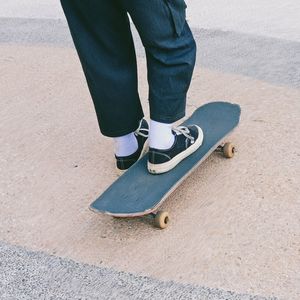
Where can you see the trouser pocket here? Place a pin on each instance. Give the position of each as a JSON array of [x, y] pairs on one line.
[[178, 12]]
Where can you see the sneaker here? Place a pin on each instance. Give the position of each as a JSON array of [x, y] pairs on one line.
[[141, 134], [187, 140]]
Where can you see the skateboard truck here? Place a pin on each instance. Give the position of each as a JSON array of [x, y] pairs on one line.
[[161, 218]]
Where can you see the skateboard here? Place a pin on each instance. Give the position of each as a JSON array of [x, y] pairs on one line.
[[138, 193]]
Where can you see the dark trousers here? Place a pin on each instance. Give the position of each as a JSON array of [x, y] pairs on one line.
[[101, 33]]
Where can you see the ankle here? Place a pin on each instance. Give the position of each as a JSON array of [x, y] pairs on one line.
[[161, 135], [125, 145]]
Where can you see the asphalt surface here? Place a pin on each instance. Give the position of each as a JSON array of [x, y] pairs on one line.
[[35, 275], [265, 58], [279, 19]]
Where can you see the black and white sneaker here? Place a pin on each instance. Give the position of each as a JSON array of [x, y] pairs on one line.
[[141, 134], [187, 140]]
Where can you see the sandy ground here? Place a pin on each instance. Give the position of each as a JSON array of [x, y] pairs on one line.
[[235, 223]]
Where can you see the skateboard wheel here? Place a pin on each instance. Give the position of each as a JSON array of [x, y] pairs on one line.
[[161, 219], [228, 150]]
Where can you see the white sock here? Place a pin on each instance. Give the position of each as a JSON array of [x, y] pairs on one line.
[[160, 135], [126, 145]]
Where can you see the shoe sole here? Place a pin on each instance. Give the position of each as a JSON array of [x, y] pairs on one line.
[[167, 166], [144, 151]]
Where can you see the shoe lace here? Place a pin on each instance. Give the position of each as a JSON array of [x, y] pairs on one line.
[[185, 131], [140, 129]]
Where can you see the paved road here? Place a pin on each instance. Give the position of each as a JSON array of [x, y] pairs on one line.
[[279, 19], [35, 275], [269, 59]]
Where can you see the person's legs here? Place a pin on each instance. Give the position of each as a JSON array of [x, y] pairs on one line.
[[171, 53], [102, 36], [103, 40]]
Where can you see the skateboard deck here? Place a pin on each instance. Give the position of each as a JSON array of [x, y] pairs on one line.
[[138, 193]]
